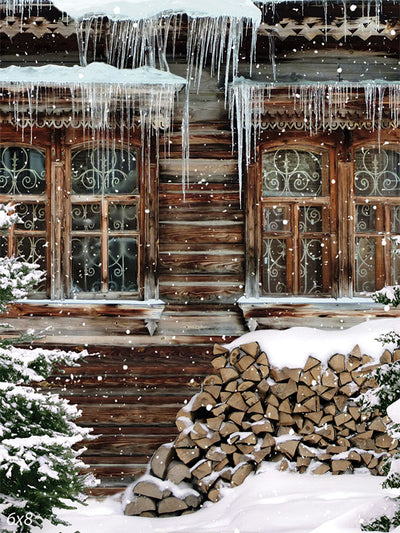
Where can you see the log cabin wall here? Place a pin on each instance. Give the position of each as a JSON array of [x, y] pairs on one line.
[[133, 385]]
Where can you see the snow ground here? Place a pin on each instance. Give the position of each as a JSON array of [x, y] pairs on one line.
[[267, 502]]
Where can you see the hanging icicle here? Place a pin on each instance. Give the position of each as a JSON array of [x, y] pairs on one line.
[[100, 98], [320, 105], [139, 31]]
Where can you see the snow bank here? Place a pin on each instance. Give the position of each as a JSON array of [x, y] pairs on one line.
[[292, 347], [273, 501], [146, 9]]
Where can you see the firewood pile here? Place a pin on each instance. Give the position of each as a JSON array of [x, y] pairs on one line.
[[305, 419]]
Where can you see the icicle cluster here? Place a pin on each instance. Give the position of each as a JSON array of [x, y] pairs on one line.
[[320, 104], [145, 42], [143, 97]]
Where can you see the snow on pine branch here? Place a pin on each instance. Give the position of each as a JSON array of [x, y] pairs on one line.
[[19, 365]]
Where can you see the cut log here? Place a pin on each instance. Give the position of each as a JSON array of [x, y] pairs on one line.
[[340, 401], [214, 390], [311, 363], [329, 379], [308, 379], [183, 441], [228, 448], [147, 488], [214, 495], [236, 402], [262, 359], [396, 356], [386, 357], [245, 385], [256, 408], [220, 409], [236, 417], [161, 459], [305, 451], [188, 455], [241, 474], [203, 399], [377, 424], [244, 362], [232, 386], [304, 392], [206, 442], [308, 428], [212, 380], [386, 442], [288, 448], [337, 363], [215, 422], [344, 378], [215, 454], [329, 393], [264, 426], [252, 374], [234, 356], [178, 472], [285, 373], [219, 362], [342, 418], [262, 389], [251, 348], [228, 428], [202, 470], [250, 398], [183, 419], [315, 416], [340, 465], [285, 419], [271, 412], [285, 389], [321, 469], [229, 374], [268, 442], [192, 500], [312, 404], [171, 505], [219, 350], [353, 363], [138, 505], [261, 454], [328, 432]]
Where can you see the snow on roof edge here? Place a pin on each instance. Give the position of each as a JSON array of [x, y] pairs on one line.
[[94, 73], [291, 347], [136, 10]]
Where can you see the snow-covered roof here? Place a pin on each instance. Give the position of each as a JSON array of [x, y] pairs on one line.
[[147, 9], [94, 73]]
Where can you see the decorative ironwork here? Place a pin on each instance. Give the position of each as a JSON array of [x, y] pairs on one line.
[[291, 173], [122, 264], [32, 216], [275, 219], [86, 264], [395, 219], [365, 264], [85, 217], [377, 172], [122, 217], [104, 171], [310, 219], [311, 266], [365, 218], [274, 272], [22, 171]]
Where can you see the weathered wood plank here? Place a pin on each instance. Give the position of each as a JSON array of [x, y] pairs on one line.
[[201, 233], [200, 263]]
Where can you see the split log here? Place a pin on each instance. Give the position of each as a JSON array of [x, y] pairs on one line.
[[171, 505], [138, 505]]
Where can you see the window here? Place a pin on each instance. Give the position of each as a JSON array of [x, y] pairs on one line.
[[104, 224], [295, 222], [321, 223], [23, 182], [377, 212], [84, 218]]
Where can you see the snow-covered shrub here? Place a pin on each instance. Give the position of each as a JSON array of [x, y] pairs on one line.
[[39, 468], [386, 398]]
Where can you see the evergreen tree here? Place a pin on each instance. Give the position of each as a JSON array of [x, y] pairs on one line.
[[386, 399], [39, 468]]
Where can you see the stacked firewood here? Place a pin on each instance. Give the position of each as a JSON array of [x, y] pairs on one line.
[[305, 419]]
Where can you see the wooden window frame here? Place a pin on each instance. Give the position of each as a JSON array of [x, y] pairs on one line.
[[57, 144], [341, 147]]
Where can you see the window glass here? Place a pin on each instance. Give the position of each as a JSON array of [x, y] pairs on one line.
[[104, 221]]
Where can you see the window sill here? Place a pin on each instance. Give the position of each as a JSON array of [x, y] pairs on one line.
[[148, 311], [285, 312]]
